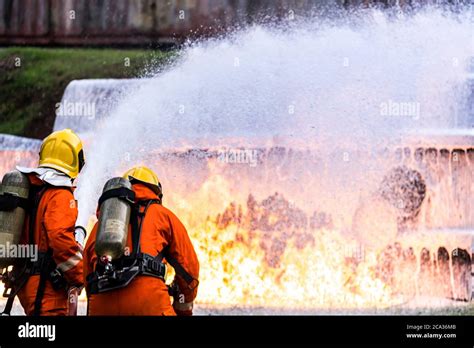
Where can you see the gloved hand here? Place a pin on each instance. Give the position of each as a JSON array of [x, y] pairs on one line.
[[183, 309], [80, 234]]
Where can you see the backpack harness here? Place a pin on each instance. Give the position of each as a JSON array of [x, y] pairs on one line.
[[116, 274], [23, 269]]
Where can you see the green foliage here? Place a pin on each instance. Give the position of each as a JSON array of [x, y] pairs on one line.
[[32, 80]]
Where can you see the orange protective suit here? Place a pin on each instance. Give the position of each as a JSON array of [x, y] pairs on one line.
[[54, 229], [147, 295]]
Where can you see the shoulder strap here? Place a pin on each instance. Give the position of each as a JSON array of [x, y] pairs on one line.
[[9, 202], [136, 220], [179, 269], [136, 230], [42, 283], [35, 198], [121, 192]]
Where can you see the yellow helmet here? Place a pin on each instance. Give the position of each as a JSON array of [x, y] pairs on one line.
[[146, 176], [62, 150]]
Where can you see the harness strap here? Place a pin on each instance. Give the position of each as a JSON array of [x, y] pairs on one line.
[[14, 291], [179, 269], [9, 202], [9, 305], [121, 192], [136, 225], [44, 272], [149, 264], [35, 197], [142, 264], [136, 220], [11, 297]]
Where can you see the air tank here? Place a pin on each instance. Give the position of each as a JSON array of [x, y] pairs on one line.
[[114, 219], [12, 219]]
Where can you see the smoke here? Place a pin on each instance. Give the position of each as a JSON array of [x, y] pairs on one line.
[[321, 84]]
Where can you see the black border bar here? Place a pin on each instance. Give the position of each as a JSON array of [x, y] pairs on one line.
[[290, 330]]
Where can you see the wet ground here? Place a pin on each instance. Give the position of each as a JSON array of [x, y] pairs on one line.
[[420, 306]]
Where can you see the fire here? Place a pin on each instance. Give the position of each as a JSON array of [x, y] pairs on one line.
[[244, 265], [262, 242], [269, 252]]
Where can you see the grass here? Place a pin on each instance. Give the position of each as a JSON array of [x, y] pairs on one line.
[[32, 80]]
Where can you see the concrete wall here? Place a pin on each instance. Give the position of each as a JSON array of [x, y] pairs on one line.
[[143, 22], [126, 22]]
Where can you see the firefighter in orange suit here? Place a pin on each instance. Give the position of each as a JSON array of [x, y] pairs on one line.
[[163, 242], [42, 285]]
